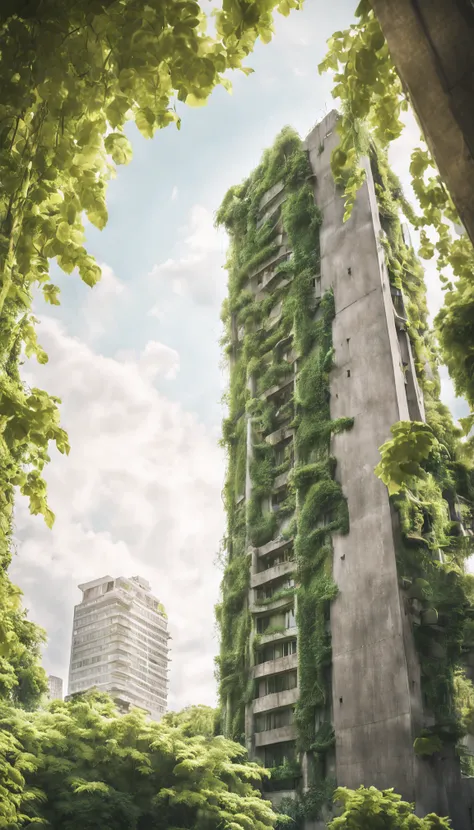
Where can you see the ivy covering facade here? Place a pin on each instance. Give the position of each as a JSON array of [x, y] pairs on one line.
[[434, 497], [278, 340], [312, 506]]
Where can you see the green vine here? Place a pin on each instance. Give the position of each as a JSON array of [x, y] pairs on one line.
[[372, 99], [313, 501]]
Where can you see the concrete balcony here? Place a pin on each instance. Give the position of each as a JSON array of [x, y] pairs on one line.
[[280, 604], [273, 278], [279, 435], [275, 666], [270, 195], [278, 636], [276, 736], [281, 481], [269, 265], [277, 700], [270, 393], [270, 202], [274, 546], [262, 578]]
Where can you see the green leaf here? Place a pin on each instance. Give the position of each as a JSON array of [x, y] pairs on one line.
[[467, 424], [145, 120], [63, 232], [119, 147]]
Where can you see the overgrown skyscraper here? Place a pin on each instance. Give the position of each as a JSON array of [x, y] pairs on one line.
[[346, 614]]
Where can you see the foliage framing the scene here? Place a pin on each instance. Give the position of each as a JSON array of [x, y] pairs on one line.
[[71, 77], [373, 100], [79, 766]]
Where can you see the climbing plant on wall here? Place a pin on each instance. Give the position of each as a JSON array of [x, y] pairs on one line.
[[315, 500], [373, 100], [426, 471]]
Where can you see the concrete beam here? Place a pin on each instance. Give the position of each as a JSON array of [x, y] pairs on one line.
[[261, 578], [276, 736], [432, 45], [281, 664], [277, 700]]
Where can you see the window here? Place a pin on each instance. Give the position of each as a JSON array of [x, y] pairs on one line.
[[274, 652], [278, 754], [274, 720], [277, 683], [262, 624], [290, 621]]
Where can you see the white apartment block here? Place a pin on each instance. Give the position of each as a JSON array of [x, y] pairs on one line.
[[120, 644], [55, 687]]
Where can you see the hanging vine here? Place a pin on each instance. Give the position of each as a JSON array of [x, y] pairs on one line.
[[314, 504], [425, 469], [372, 99]]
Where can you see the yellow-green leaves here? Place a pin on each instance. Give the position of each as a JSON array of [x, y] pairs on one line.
[[371, 95], [119, 147], [400, 464], [79, 764]]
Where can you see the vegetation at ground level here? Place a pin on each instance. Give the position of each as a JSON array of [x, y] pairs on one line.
[[370, 809], [81, 766]]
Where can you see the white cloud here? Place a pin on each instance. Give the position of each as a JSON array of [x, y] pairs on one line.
[[197, 269], [158, 359], [174, 194], [139, 493], [98, 310]]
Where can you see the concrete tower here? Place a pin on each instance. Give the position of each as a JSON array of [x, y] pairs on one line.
[[329, 634], [120, 644]]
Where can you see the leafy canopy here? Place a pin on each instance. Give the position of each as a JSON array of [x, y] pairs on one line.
[[80, 766], [72, 75], [370, 809], [400, 464]]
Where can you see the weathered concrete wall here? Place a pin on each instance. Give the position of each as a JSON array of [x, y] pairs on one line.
[[371, 696], [377, 705], [432, 46]]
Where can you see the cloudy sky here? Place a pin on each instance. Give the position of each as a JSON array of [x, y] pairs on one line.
[[136, 362]]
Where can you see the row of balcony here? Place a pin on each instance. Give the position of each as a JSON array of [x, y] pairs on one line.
[[275, 674]]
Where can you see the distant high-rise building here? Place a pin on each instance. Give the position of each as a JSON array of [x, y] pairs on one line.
[[55, 687], [120, 644]]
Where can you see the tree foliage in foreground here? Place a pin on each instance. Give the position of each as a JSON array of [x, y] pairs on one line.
[[370, 809], [80, 766], [368, 85], [71, 76]]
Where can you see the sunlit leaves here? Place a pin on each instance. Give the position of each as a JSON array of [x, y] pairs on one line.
[[400, 464], [119, 148], [369, 88], [80, 766], [369, 809], [71, 79]]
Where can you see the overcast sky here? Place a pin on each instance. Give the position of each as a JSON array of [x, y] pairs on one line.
[[136, 362]]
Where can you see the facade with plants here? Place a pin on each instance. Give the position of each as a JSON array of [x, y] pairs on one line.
[[346, 615]]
